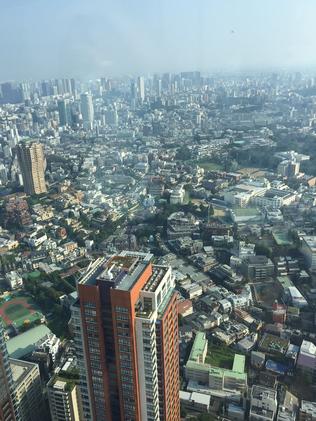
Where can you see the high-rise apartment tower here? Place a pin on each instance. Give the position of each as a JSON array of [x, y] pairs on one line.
[[6, 383], [141, 88], [32, 164], [87, 110], [126, 332]]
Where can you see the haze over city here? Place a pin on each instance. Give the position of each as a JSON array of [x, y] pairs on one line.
[[157, 210], [86, 39]]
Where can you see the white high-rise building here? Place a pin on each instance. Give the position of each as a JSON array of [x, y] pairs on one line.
[[87, 110], [6, 382], [27, 391], [141, 88], [64, 402]]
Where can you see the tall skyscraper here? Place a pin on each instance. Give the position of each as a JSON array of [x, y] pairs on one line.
[[87, 110], [6, 383], [126, 332], [64, 112], [73, 87], [141, 88], [66, 86], [32, 164], [133, 89], [11, 93], [158, 87], [46, 88]]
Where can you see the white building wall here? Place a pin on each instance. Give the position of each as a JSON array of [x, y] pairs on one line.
[[147, 367]]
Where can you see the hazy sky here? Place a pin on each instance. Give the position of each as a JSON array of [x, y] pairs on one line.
[[91, 38]]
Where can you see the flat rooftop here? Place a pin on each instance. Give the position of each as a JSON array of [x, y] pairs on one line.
[[20, 369], [198, 346], [310, 240], [158, 273], [25, 343], [239, 363], [263, 393], [123, 270]]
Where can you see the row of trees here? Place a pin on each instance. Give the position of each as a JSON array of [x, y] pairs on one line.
[[47, 298]]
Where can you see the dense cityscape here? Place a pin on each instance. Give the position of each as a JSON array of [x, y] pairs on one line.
[[158, 248]]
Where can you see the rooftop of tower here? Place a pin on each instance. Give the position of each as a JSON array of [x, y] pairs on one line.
[[157, 275], [123, 270]]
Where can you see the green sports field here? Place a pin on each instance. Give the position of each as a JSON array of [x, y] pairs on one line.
[[19, 310]]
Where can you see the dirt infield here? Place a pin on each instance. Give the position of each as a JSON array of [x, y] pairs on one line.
[[16, 310]]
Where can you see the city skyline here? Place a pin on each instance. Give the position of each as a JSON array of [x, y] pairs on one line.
[[94, 39], [157, 210]]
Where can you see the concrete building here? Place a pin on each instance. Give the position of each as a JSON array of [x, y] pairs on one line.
[[257, 268], [181, 225], [215, 381], [257, 359], [243, 193], [306, 361], [64, 399], [199, 348], [38, 338], [275, 198], [235, 412], [263, 403], [198, 402], [64, 112], [288, 407], [27, 390], [177, 195], [87, 110], [185, 307], [14, 280], [126, 329], [32, 164], [308, 249], [288, 168], [307, 411], [141, 88], [6, 382]]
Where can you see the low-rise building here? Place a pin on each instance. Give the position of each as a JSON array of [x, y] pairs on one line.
[[14, 280], [37, 338], [308, 249], [257, 268], [235, 412], [181, 225], [185, 307], [306, 361], [257, 359], [177, 195], [307, 411], [193, 290], [263, 403], [288, 407], [199, 348], [195, 401], [216, 381]]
